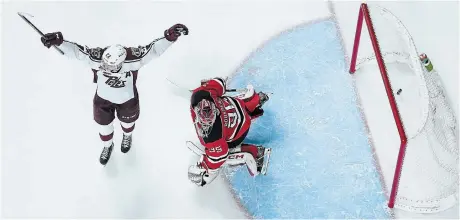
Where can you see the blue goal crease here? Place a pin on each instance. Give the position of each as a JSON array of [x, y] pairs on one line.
[[321, 164]]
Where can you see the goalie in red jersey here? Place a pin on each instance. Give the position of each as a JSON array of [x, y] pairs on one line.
[[222, 123]]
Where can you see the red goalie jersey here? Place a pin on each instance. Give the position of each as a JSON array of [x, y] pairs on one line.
[[221, 122]]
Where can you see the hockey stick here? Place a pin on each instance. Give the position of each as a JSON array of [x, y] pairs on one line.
[[190, 90], [235, 90], [36, 29]]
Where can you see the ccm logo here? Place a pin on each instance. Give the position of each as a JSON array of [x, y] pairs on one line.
[[236, 156]]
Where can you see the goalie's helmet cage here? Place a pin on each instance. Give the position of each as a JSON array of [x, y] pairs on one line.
[[206, 114], [113, 58]]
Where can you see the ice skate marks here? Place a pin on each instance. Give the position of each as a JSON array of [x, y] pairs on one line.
[[323, 165]]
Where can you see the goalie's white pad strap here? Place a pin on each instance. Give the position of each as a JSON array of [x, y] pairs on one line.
[[240, 158]]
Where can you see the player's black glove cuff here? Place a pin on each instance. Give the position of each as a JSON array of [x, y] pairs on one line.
[[51, 39]]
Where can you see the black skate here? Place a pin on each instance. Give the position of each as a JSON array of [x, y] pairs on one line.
[[126, 143], [105, 155], [263, 158], [262, 98], [259, 111]]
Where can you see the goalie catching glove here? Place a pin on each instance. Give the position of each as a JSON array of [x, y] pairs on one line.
[[200, 175]]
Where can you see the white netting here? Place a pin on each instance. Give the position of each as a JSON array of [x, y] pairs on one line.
[[430, 176]]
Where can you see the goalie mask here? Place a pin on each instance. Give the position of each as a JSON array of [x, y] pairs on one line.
[[206, 114], [113, 58]]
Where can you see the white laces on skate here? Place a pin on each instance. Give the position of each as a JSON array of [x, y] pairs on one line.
[[126, 142], [105, 153]]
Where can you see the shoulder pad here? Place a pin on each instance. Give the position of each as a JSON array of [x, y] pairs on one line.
[[95, 53], [134, 53]]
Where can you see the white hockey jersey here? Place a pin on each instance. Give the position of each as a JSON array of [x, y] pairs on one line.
[[120, 87]]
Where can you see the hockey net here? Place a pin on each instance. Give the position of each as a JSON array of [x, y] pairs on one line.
[[428, 151]]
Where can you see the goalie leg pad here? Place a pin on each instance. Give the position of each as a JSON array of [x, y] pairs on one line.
[[247, 95], [251, 99], [236, 157], [240, 158]]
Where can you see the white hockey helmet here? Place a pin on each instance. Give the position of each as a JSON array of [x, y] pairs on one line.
[[113, 58]]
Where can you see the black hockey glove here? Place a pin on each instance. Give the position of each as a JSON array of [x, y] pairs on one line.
[[175, 31], [51, 39]]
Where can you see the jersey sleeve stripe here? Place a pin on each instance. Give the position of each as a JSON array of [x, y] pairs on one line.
[[217, 159], [220, 81], [212, 166]]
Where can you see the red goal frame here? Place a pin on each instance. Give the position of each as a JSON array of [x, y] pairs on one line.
[[364, 15]]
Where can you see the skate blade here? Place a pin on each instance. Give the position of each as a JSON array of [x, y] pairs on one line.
[[267, 153]]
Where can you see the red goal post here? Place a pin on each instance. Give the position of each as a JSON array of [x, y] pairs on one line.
[[364, 14], [447, 198]]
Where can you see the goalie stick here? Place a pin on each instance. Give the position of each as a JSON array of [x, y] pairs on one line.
[[190, 90], [198, 149], [38, 30]]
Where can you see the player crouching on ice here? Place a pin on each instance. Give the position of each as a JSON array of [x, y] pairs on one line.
[[115, 70], [222, 123]]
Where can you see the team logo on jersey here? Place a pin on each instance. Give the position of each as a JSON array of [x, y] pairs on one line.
[[96, 52], [116, 81], [136, 51]]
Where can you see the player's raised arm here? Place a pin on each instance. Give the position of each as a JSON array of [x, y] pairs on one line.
[[141, 55], [136, 57], [91, 56]]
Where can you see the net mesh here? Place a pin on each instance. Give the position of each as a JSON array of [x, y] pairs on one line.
[[429, 177]]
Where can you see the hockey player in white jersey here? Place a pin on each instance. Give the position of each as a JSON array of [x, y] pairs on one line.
[[115, 70]]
